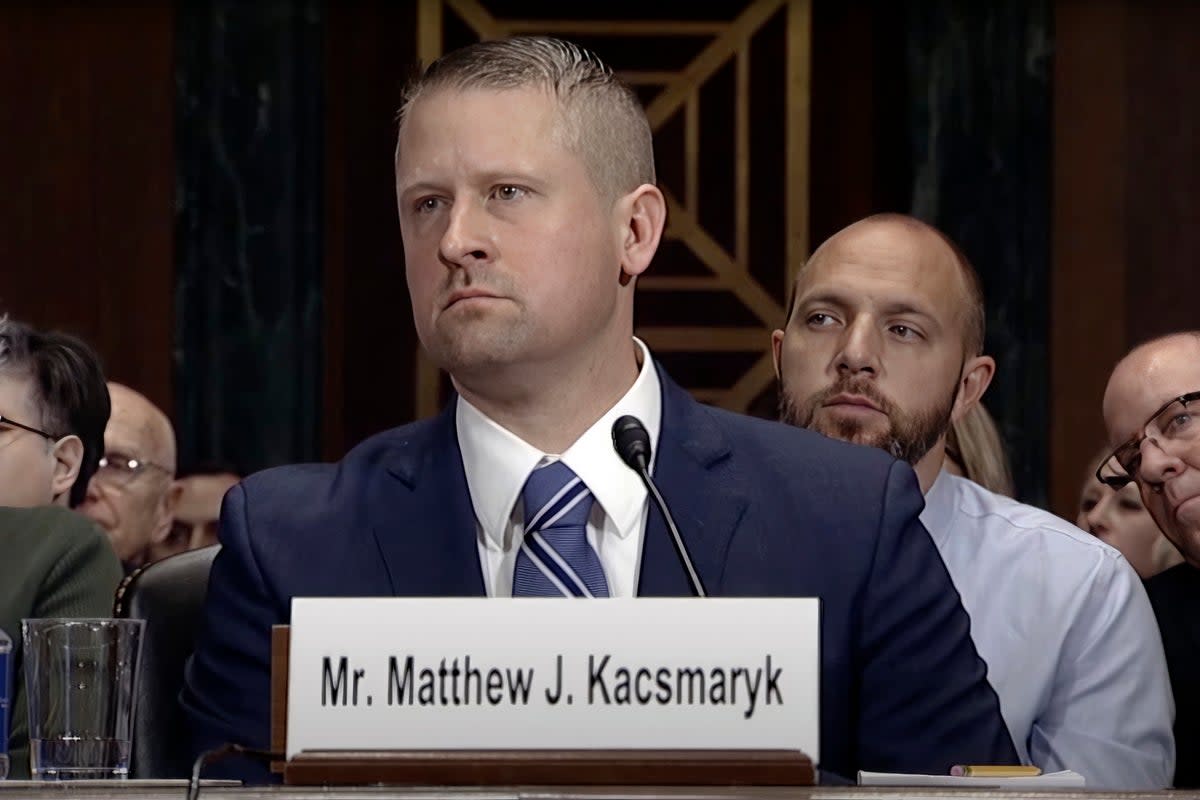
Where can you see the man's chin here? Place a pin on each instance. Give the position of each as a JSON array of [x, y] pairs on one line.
[[853, 432], [1185, 535], [474, 349], [1188, 545]]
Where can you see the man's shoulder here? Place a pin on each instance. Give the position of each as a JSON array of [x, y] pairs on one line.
[[1032, 539], [311, 483], [1025, 520], [849, 491], [1175, 587], [47, 531], [53, 549], [787, 446]]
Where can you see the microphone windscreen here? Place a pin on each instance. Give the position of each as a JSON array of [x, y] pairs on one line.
[[631, 441]]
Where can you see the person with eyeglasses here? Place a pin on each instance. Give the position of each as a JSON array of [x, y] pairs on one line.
[[53, 409], [1152, 415], [1119, 518], [133, 494], [53, 562]]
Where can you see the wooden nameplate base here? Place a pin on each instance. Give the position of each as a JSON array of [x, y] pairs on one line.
[[522, 767], [551, 768]]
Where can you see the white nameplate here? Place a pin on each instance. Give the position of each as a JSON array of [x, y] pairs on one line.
[[492, 673]]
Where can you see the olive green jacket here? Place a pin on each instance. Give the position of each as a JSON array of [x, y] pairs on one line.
[[53, 563]]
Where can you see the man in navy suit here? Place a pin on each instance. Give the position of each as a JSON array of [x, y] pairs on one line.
[[525, 185]]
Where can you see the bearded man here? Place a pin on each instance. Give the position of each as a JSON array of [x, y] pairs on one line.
[[883, 347]]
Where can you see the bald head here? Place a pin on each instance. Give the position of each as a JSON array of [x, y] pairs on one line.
[[142, 427], [133, 498], [908, 237], [1150, 375], [1168, 468]]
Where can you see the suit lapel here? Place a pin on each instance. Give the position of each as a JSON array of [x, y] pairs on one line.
[[423, 522], [691, 470], [422, 518]]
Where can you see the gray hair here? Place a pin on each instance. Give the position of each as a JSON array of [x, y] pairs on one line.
[[604, 121]]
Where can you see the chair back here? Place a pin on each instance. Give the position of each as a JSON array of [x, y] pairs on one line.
[[168, 595]]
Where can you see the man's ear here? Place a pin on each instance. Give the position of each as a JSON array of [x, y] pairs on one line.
[[68, 458], [166, 512], [976, 377], [643, 214], [777, 352]]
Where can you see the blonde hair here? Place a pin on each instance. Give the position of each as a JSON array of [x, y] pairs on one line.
[[603, 121], [974, 443]]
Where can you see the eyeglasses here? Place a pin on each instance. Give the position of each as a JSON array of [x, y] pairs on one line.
[[1174, 422], [120, 469], [14, 424]]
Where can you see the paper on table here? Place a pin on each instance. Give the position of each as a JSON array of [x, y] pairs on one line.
[[1065, 779]]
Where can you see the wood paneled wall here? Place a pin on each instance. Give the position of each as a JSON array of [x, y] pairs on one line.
[[86, 217], [370, 343], [1126, 227]]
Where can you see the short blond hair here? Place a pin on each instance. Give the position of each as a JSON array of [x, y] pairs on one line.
[[604, 123]]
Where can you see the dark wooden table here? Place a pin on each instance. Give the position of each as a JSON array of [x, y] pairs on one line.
[[177, 790]]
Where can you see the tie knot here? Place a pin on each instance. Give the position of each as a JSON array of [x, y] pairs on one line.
[[554, 497]]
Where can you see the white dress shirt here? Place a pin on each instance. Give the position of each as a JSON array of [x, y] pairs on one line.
[[497, 463], [1068, 635]]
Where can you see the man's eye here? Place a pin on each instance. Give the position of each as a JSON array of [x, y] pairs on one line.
[[427, 205], [1179, 422], [509, 192], [819, 320], [904, 332]]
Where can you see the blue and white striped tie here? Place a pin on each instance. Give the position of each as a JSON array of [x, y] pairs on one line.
[[555, 559]]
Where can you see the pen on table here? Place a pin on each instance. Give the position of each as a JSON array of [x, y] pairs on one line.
[[993, 771]]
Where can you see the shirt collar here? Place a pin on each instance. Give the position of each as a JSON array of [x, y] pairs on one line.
[[940, 503], [497, 461]]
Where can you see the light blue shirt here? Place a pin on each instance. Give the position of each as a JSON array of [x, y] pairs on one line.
[[1068, 635]]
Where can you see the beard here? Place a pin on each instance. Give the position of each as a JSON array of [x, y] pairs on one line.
[[908, 436]]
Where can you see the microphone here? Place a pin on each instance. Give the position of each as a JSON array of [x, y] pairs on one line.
[[632, 443]]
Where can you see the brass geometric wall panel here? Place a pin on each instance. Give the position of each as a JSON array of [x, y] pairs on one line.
[[726, 88]]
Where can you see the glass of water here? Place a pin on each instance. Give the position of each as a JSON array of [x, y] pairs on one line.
[[81, 684]]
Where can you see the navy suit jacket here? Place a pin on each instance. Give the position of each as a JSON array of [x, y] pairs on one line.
[[765, 509]]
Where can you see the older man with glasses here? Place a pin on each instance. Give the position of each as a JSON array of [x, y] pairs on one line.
[[1152, 412], [133, 494]]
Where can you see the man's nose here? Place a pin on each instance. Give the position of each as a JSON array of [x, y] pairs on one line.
[[1158, 465], [466, 238], [860, 349]]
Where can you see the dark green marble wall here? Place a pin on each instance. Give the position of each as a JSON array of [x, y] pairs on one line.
[[248, 297], [979, 135]]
